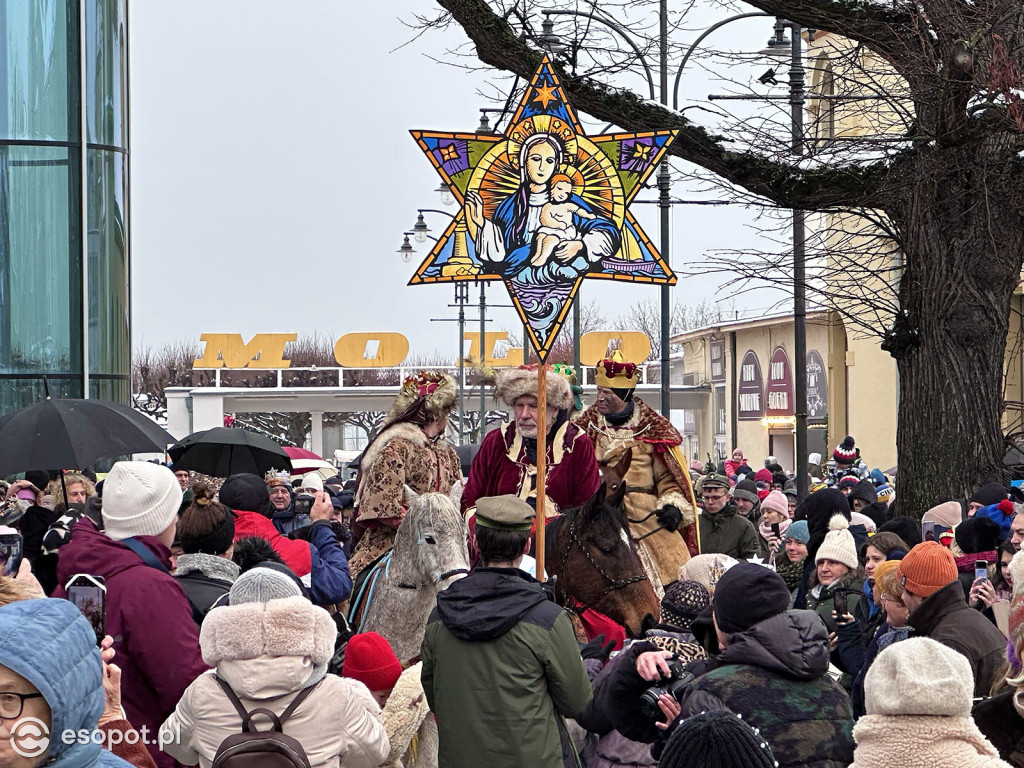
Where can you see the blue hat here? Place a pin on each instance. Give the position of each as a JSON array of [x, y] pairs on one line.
[[877, 476], [799, 531]]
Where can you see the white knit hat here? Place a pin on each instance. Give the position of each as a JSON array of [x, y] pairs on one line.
[[919, 676], [313, 481], [839, 544], [139, 499]]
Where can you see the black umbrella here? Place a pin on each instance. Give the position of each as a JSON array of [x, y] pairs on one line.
[[222, 452], [73, 434]]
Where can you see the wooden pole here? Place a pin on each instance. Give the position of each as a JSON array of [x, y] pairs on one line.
[[542, 460]]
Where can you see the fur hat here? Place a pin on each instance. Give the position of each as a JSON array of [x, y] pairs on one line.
[[512, 383], [927, 568], [839, 544], [437, 391], [141, 499], [919, 676]]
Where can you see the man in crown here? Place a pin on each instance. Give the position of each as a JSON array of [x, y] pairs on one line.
[[507, 460], [659, 500], [410, 450]]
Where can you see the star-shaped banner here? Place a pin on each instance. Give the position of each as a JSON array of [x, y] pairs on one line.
[[543, 207]]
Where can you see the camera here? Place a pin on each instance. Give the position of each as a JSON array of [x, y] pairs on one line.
[[303, 504], [671, 685]]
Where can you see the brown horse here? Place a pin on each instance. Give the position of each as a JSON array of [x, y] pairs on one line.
[[593, 562]]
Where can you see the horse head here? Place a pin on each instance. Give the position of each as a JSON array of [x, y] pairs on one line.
[[431, 541], [596, 563]]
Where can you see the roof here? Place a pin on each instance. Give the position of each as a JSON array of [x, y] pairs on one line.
[[781, 318]]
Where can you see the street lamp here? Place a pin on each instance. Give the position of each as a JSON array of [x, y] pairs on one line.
[[446, 195], [406, 252], [420, 228]]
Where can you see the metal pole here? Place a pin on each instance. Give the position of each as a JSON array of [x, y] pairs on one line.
[[461, 294], [796, 101], [665, 205], [483, 356]]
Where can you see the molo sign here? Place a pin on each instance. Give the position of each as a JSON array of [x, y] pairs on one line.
[[780, 385], [751, 389], [389, 349]]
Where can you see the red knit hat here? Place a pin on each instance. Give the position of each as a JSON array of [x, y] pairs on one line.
[[370, 660], [927, 568]]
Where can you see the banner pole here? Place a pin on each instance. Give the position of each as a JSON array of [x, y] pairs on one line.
[[542, 460]]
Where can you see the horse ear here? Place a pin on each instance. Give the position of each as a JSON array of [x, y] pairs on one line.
[[617, 496], [408, 496], [595, 501], [623, 466]]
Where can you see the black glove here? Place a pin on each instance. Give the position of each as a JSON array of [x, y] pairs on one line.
[[670, 517], [596, 649]]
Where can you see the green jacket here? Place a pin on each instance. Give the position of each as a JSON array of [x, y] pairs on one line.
[[728, 533], [500, 665]]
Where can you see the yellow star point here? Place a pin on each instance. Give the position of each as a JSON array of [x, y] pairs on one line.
[[545, 95]]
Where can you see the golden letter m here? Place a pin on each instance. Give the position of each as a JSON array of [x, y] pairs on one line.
[[227, 350]]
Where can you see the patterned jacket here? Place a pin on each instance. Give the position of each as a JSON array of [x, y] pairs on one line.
[[775, 676]]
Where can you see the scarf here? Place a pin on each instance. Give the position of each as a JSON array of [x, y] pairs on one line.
[[211, 566], [620, 418], [965, 563], [766, 528]]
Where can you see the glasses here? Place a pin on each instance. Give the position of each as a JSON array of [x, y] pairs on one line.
[[12, 703], [714, 496], [886, 599]]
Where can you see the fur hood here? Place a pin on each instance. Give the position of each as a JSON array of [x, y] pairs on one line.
[[921, 741], [516, 382], [268, 649]]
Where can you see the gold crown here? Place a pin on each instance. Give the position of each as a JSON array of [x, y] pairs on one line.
[[615, 373]]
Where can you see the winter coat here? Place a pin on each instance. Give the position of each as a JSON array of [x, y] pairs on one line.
[[774, 675], [320, 563], [46, 642], [946, 617], [205, 579], [411, 728], [726, 532], [852, 582], [500, 665], [155, 640], [921, 741], [287, 520], [1002, 725], [267, 653]]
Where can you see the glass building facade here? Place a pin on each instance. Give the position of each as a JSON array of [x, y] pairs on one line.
[[64, 236]]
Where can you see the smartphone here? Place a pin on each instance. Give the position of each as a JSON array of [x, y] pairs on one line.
[[981, 570], [776, 530], [10, 554], [841, 604], [89, 594]]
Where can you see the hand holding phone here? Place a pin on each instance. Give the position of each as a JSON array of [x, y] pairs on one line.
[[841, 603], [89, 594]]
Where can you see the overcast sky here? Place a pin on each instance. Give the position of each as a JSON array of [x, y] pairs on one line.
[[273, 173]]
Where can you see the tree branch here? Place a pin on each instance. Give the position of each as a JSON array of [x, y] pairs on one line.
[[786, 185]]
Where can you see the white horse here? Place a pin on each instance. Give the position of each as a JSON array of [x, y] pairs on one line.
[[400, 590]]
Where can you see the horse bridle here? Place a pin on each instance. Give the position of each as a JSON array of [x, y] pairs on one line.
[[442, 577], [613, 584]]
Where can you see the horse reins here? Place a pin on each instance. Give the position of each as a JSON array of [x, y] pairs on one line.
[[613, 584], [442, 577]]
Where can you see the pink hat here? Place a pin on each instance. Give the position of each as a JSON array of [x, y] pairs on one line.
[[776, 501]]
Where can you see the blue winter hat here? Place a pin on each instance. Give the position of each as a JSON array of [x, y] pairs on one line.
[[799, 531], [1001, 513], [50, 644], [877, 477]]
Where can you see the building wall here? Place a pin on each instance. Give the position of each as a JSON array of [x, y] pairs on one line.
[[64, 307]]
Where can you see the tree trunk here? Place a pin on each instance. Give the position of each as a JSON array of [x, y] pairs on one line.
[[963, 247]]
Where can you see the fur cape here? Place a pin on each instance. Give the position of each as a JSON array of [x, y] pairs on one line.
[[511, 383], [922, 741], [411, 728]]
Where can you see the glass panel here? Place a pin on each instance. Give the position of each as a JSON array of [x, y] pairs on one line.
[[19, 393], [115, 389], [39, 70], [40, 268], [106, 71], [108, 263]]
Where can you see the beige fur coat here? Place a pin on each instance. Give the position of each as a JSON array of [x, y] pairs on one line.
[[267, 652], [921, 741], [410, 724]]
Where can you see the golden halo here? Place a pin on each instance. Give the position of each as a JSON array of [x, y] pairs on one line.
[[560, 130]]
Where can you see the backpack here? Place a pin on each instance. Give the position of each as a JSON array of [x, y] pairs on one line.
[[261, 749]]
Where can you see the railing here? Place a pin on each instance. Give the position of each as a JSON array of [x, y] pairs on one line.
[[393, 377]]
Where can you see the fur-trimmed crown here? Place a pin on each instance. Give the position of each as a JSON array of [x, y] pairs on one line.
[[516, 382], [436, 388]]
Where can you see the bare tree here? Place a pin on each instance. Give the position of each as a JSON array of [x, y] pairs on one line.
[[944, 193]]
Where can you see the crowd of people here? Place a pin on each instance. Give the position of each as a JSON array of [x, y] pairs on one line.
[[821, 632]]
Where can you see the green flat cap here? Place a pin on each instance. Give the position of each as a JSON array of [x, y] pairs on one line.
[[504, 513], [715, 481]]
